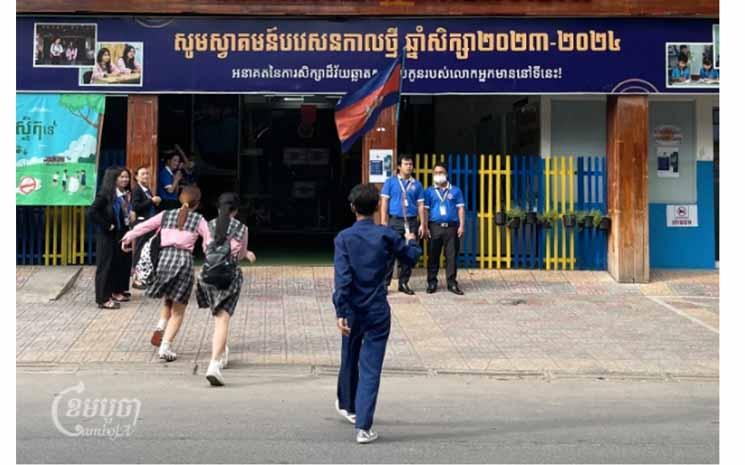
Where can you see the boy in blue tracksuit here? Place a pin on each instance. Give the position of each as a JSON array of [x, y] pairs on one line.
[[362, 253]]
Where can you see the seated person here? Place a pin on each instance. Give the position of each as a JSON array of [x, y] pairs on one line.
[[127, 63], [682, 72], [104, 67], [708, 73]]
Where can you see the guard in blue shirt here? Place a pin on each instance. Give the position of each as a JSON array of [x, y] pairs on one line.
[[402, 209], [361, 256], [446, 209]]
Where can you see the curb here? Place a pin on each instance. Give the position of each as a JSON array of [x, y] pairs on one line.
[[193, 368], [67, 285]]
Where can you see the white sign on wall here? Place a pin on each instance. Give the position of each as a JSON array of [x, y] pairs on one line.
[[682, 216], [668, 162], [381, 165]]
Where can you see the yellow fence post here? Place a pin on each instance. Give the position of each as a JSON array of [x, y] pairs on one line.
[[562, 177], [547, 208], [571, 209], [482, 213], [490, 211], [508, 205]]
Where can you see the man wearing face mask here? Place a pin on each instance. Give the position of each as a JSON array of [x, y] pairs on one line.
[[447, 218], [402, 209]]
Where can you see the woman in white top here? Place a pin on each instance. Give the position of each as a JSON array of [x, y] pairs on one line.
[[56, 51]]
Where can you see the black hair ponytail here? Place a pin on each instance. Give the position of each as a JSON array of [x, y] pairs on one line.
[[226, 204]]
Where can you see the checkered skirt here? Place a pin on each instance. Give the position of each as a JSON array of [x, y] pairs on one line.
[[225, 299], [174, 278]]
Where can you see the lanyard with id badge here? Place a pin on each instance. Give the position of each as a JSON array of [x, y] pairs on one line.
[[405, 203], [443, 204]]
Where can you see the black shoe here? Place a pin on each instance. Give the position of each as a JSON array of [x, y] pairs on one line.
[[431, 288], [405, 289], [454, 289]]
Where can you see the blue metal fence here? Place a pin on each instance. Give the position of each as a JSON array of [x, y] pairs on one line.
[[463, 172]]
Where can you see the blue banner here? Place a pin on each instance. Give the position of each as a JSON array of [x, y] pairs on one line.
[[443, 55]]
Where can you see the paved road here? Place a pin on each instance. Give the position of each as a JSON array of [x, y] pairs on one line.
[[287, 415]]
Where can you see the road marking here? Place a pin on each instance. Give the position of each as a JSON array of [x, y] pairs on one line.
[[659, 301]]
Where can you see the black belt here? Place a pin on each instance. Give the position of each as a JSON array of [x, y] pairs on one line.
[[451, 224]]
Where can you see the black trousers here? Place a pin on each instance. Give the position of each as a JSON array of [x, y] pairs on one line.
[[404, 271], [112, 265], [446, 238]]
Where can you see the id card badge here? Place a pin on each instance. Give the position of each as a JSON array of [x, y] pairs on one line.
[[407, 228], [443, 210], [406, 202]]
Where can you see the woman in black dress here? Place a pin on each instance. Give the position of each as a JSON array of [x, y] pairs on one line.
[[144, 204], [112, 214]]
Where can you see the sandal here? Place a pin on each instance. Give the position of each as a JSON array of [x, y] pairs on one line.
[[123, 298], [110, 304]]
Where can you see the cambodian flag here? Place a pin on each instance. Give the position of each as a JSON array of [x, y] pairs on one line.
[[357, 112]]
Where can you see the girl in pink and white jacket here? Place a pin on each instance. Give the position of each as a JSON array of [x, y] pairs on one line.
[[174, 277]]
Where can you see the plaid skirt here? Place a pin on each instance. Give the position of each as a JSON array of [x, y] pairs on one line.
[[174, 277], [216, 299]]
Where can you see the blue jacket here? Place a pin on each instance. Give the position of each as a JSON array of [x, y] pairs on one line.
[[362, 253]]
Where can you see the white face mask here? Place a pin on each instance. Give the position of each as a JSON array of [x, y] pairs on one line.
[[439, 178]]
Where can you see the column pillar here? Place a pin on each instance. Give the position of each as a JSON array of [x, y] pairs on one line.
[[142, 134], [627, 149], [382, 136]]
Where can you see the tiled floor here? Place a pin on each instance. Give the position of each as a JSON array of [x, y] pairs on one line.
[[508, 322]]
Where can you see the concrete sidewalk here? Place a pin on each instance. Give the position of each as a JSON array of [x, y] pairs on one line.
[[513, 322]]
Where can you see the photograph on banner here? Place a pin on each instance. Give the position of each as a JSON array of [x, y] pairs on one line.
[[691, 65], [56, 148], [64, 45], [117, 64], [715, 39], [667, 162]]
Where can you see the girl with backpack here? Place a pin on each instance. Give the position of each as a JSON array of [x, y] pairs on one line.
[[220, 283], [174, 279]]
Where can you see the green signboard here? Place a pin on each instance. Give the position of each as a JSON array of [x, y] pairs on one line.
[[56, 148]]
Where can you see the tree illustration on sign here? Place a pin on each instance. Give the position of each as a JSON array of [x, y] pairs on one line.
[[86, 107]]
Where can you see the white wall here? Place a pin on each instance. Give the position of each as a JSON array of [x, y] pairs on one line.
[[577, 127]]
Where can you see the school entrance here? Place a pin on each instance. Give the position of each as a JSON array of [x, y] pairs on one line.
[[281, 154]]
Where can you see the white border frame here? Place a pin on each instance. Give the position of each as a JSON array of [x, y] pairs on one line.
[[142, 74], [95, 45], [715, 49], [667, 79]]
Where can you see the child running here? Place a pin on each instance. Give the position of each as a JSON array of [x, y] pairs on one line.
[[222, 302], [174, 278]]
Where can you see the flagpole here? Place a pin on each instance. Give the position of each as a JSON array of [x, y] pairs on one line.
[[398, 105]]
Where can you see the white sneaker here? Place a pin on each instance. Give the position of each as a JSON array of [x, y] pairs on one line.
[[165, 353], [214, 374], [350, 417], [366, 436], [224, 358]]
